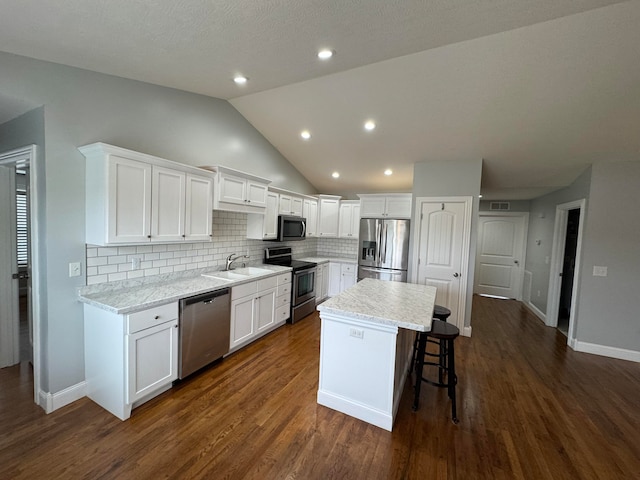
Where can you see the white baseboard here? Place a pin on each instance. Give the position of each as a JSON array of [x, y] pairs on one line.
[[605, 351], [538, 313], [355, 409], [466, 331], [53, 401]]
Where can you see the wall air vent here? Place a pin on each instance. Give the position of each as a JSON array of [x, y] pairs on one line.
[[499, 206]]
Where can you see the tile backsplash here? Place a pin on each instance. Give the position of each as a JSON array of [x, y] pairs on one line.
[[108, 264]]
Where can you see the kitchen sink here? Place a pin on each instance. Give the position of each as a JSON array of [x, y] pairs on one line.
[[252, 271], [226, 275]]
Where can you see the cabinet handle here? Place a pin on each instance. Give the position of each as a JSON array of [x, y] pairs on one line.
[[156, 317], [148, 236]]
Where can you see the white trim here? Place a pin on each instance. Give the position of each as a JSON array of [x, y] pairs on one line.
[[525, 234], [28, 154], [51, 402], [354, 409], [605, 351], [557, 255], [466, 331], [466, 246], [538, 313]]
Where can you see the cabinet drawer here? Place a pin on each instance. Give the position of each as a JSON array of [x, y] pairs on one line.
[[267, 283], [347, 268], [282, 313], [153, 316], [283, 300], [284, 289], [284, 278], [244, 290]]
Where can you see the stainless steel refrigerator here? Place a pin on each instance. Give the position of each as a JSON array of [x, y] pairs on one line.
[[383, 249]]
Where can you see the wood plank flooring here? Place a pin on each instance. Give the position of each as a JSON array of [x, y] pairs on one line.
[[529, 408]]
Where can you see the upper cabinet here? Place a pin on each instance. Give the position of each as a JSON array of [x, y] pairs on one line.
[[393, 205], [290, 205], [349, 219], [264, 227], [239, 192], [328, 216], [134, 198], [310, 212]]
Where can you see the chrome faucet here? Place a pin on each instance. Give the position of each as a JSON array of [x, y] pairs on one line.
[[231, 259]]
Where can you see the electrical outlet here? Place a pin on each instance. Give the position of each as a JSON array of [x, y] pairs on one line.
[[599, 271], [74, 269], [135, 263], [356, 333]]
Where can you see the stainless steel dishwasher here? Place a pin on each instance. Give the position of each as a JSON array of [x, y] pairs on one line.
[[205, 321]]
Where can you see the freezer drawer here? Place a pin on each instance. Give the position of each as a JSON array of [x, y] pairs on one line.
[[382, 274]]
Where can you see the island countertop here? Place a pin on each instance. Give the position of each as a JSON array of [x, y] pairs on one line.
[[405, 305]]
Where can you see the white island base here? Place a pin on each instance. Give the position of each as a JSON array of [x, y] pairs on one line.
[[366, 344], [363, 367]]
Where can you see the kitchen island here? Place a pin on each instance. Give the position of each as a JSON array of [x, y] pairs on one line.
[[366, 343]]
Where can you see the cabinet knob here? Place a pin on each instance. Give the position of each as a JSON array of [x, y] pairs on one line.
[[156, 317], [148, 236]]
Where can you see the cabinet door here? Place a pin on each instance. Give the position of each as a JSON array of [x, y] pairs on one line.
[[355, 221], [329, 217], [399, 207], [344, 229], [310, 212], [372, 207], [256, 194], [232, 189], [265, 305], [271, 216], [348, 274], [296, 206], [242, 325], [199, 208], [335, 279], [167, 205], [152, 360], [284, 205], [129, 201]]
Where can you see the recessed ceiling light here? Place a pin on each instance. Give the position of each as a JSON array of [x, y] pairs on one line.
[[388, 172], [335, 174], [369, 125], [240, 79], [325, 54], [306, 134]]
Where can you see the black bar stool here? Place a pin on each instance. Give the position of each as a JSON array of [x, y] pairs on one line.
[[445, 334], [439, 312]]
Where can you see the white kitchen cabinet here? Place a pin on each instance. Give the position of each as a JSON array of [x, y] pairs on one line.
[[264, 227], [237, 191], [290, 205], [257, 308], [349, 219], [129, 359], [393, 205], [328, 216], [136, 198], [341, 277], [322, 282], [310, 212]]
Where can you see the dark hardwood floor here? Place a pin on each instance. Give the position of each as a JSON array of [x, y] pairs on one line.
[[529, 407]]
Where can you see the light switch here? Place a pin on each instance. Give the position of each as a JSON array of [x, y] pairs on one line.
[[74, 269], [599, 271]]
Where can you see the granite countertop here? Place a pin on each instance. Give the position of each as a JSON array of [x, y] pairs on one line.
[[329, 259], [405, 305], [135, 295]]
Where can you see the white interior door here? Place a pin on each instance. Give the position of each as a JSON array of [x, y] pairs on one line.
[[500, 254], [443, 238], [9, 316]]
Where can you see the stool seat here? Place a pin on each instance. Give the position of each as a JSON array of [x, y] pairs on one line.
[[441, 313], [443, 330]]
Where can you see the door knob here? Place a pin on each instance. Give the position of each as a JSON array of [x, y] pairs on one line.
[[456, 274]]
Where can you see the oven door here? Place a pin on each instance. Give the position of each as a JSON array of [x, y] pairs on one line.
[[304, 285]]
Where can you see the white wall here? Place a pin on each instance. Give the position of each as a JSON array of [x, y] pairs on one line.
[[82, 107], [608, 313]]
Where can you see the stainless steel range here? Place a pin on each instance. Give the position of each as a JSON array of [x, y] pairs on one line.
[[303, 291]]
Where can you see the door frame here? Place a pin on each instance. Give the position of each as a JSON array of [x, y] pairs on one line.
[[27, 155], [525, 233], [466, 246], [557, 256]]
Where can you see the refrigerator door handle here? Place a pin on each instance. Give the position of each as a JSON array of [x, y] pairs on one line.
[[376, 257], [386, 239]]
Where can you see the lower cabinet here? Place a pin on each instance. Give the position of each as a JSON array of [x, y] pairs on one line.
[[322, 282], [129, 359], [341, 277], [258, 307]]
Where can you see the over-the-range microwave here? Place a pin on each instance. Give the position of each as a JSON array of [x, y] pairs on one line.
[[291, 228]]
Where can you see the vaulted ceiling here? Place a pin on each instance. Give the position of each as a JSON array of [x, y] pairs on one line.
[[538, 90]]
